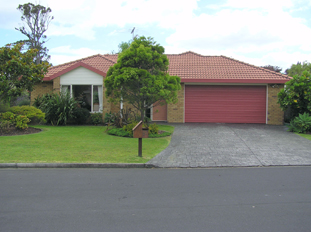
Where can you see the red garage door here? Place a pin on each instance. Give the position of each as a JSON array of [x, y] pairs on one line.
[[225, 104]]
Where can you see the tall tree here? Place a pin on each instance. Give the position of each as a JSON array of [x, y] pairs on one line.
[[298, 69], [18, 72], [36, 20], [272, 68], [140, 76]]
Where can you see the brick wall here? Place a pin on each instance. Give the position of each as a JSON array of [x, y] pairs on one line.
[[275, 114], [175, 112], [56, 85], [40, 89]]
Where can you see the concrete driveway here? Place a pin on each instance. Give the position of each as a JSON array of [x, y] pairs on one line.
[[218, 145]]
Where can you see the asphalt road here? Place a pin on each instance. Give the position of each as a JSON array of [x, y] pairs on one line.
[[220, 199]]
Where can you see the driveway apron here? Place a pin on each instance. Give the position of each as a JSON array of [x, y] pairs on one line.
[[218, 145]]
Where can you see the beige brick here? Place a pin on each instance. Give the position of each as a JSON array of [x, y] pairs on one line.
[[40, 89], [275, 114], [175, 112]]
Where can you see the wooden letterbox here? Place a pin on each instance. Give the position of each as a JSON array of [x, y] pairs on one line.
[[139, 131]]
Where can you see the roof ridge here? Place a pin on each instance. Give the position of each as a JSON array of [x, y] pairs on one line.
[[191, 52], [104, 56], [74, 61], [257, 67]]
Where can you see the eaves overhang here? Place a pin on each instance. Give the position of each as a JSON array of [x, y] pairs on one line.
[[74, 66]]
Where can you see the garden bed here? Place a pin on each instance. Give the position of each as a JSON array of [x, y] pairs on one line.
[[122, 133], [15, 131]]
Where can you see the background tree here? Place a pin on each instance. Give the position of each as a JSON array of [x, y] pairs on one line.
[[273, 68], [124, 45], [298, 69], [140, 76], [296, 95], [18, 72], [36, 19]]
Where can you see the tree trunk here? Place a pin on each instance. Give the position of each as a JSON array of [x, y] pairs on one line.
[[142, 115]]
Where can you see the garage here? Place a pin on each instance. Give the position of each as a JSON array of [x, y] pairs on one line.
[[225, 103]]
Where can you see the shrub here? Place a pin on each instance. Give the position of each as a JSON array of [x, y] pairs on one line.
[[122, 133], [109, 118], [35, 115], [296, 95], [9, 119], [21, 122], [123, 117], [4, 107], [129, 128], [8, 116], [58, 108], [164, 134], [153, 128], [42, 99], [301, 124], [96, 118], [80, 115], [24, 102], [5, 125], [119, 132]]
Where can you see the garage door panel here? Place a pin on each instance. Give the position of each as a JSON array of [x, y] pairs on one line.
[[225, 104]]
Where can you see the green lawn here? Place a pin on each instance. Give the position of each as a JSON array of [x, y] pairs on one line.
[[307, 136], [78, 144]]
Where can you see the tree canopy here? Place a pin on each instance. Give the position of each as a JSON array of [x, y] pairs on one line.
[[296, 94], [36, 20], [140, 76], [298, 69], [18, 72]]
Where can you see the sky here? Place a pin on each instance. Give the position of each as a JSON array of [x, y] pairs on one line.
[[259, 32]]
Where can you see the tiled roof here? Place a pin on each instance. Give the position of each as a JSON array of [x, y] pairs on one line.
[[98, 62], [190, 67]]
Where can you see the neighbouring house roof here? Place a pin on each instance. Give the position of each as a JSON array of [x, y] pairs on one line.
[[189, 66]]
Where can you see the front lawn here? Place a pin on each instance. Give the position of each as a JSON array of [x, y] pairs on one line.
[[78, 144]]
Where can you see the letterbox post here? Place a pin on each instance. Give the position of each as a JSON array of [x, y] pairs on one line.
[[140, 147], [138, 133]]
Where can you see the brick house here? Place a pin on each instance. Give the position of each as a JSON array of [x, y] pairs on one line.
[[215, 89]]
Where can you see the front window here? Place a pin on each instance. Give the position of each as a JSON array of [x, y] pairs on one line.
[[88, 96]]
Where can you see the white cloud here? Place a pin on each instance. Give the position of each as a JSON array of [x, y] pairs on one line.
[[81, 18], [66, 54], [245, 30]]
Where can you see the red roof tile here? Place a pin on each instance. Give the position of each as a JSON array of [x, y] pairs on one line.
[[190, 67]]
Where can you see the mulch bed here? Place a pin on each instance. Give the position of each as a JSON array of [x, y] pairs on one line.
[[14, 131]]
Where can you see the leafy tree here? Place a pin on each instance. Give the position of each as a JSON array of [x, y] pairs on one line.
[[37, 19], [18, 72], [298, 69], [272, 68], [296, 94], [140, 76]]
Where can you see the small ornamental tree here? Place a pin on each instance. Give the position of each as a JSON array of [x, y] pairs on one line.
[[140, 76], [18, 72], [296, 94]]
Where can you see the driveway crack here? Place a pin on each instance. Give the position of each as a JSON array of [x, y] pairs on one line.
[[246, 145]]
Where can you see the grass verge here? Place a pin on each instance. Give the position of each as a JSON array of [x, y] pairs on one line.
[[78, 144], [307, 136]]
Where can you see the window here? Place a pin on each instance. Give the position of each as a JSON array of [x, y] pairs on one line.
[[88, 96]]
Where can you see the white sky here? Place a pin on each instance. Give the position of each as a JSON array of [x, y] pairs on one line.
[[260, 32]]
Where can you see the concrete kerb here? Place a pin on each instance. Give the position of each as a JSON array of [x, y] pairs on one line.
[[75, 165]]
